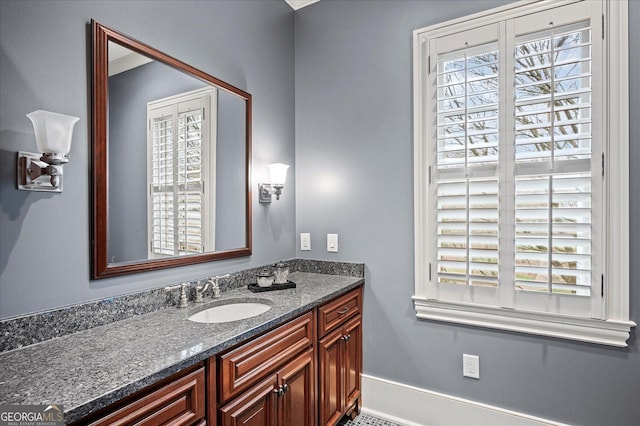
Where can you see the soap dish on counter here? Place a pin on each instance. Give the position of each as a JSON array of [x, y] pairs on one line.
[[255, 288]]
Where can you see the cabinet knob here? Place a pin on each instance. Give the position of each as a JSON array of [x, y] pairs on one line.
[[281, 390]]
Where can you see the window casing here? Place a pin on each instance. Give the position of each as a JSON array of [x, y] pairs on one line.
[[181, 174], [513, 196]]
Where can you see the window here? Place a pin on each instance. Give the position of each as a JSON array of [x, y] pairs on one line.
[[521, 170], [181, 167]]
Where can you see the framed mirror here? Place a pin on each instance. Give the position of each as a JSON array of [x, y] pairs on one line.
[[171, 161]]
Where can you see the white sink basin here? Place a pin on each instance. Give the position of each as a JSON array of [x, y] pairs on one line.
[[230, 312]]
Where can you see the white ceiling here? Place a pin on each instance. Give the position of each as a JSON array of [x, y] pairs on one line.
[[122, 59], [299, 4]]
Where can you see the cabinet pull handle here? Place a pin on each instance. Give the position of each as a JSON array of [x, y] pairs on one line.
[[343, 310]]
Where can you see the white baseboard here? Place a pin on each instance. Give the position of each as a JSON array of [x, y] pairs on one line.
[[412, 406]]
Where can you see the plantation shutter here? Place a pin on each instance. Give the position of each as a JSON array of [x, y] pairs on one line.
[[178, 200], [512, 171], [558, 176], [162, 199], [553, 141], [465, 179], [525, 228]]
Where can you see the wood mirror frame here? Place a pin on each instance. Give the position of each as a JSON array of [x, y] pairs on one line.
[[101, 268]]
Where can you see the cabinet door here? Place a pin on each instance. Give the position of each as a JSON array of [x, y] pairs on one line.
[[180, 402], [352, 360], [298, 403], [255, 407], [330, 355]]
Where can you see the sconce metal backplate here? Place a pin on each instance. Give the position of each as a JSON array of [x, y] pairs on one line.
[[27, 161], [264, 193]]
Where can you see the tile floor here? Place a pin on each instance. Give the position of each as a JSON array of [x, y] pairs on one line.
[[366, 420]]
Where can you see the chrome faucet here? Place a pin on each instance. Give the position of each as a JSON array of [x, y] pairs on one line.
[[183, 300], [200, 289]]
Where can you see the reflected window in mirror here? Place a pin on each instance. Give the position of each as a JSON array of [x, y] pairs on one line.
[[181, 174]]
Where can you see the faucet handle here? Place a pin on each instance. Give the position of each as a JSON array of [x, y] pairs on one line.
[[216, 284], [183, 302], [172, 287], [183, 299], [217, 277]]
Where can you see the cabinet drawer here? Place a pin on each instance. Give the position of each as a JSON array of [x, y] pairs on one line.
[[181, 402], [242, 367], [334, 313]]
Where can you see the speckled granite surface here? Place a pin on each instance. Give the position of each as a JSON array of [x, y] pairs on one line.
[[347, 269], [28, 330], [24, 331], [90, 369]]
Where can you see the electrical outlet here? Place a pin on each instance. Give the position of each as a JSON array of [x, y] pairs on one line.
[[305, 241], [471, 366]]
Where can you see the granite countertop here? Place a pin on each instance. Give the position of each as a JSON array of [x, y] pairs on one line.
[[90, 369]]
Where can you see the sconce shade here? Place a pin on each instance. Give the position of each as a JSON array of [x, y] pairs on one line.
[[53, 131], [278, 172]]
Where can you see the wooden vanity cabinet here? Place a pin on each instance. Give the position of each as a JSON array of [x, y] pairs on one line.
[[178, 400], [340, 357], [286, 398], [303, 373], [271, 380]]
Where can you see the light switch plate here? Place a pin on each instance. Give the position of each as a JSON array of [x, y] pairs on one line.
[[332, 243], [305, 241], [471, 366]]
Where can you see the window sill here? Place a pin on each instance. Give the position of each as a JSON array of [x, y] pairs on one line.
[[609, 332]]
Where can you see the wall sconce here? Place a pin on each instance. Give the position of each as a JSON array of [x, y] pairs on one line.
[[53, 138], [278, 173]]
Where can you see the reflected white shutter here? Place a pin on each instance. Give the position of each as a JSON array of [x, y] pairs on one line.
[[189, 181], [162, 200], [178, 151]]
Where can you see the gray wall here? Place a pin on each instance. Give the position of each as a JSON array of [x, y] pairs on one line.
[[44, 47], [230, 172], [354, 177]]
